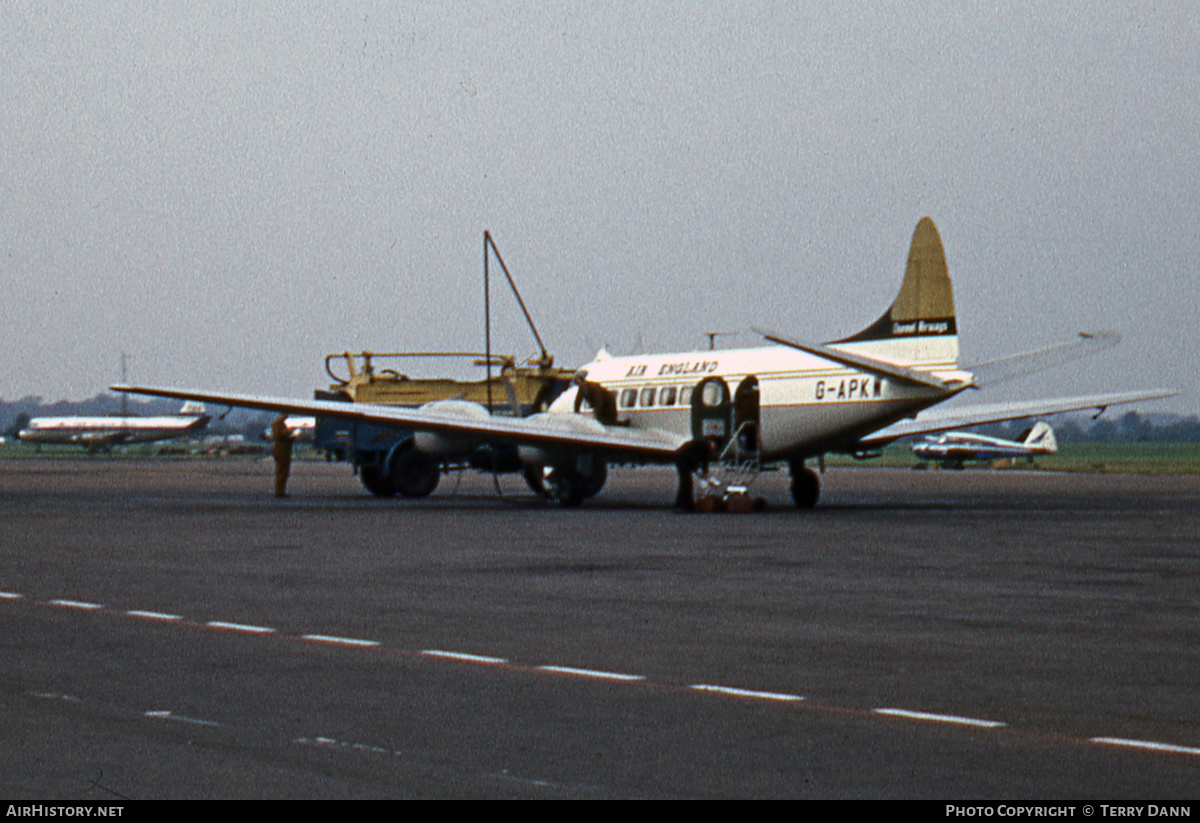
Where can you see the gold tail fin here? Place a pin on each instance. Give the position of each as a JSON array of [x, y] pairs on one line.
[[922, 311]]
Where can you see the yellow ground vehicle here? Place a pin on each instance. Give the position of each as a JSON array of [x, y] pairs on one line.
[[384, 458]]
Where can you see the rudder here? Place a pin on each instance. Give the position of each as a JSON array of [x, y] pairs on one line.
[[1041, 437], [919, 327]]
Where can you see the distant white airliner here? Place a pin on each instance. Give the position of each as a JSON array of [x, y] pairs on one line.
[[955, 448], [721, 416], [95, 433]]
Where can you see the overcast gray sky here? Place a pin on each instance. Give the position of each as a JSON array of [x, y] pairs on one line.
[[230, 191]]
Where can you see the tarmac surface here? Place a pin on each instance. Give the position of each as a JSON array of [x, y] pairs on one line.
[[171, 630]]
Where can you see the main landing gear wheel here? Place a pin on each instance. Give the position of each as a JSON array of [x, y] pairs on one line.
[[594, 481], [411, 473], [376, 481], [806, 486], [407, 472], [566, 486]]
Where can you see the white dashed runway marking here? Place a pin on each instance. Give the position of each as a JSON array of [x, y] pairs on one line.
[[68, 698], [466, 658], [76, 604], [1148, 745], [941, 718], [753, 695], [339, 641], [178, 718], [592, 673], [331, 742], [573, 671], [153, 615], [239, 627]]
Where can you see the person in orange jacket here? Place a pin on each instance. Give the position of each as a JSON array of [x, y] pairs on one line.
[[281, 450]]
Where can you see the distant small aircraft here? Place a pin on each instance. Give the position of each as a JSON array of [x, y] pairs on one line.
[[96, 433], [953, 449]]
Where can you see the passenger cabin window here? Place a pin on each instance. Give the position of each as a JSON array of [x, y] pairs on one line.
[[648, 397], [667, 396], [628, 398], [685, 396], [714, 395]]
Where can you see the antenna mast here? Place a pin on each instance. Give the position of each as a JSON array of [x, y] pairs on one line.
[[546, 360], [125, 382]]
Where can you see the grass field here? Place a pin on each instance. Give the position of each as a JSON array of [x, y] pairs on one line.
[[1127, 457], [1141, 458]]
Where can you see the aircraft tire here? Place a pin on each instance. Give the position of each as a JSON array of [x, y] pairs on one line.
[[535, 478], [551, 483], [376, 481], [558, 485], [806, 487], [569, 487], [594, 482], [411, 473]]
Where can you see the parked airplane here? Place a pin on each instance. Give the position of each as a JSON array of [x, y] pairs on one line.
[[95, 433], [955, 448], [735, 410]]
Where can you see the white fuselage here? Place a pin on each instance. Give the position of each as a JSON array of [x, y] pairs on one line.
[[102, 431], [803, 402]]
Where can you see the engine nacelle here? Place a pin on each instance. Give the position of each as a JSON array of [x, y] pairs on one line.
[[445, 445]]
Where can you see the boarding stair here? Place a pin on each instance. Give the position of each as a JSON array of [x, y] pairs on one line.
[[727, 479]]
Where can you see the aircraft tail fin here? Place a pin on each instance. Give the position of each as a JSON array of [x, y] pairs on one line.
[[1041, 437], [919, 327]]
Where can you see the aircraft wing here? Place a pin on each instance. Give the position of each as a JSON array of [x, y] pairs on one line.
[[949, 419], [545, 430]]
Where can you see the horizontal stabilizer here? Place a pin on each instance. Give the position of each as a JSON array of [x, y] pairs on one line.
[[870, 364], [1019, 365], [999, 412]]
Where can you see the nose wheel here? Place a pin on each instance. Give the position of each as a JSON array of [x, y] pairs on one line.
[[806, 486]]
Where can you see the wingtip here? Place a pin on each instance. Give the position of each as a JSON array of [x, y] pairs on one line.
[[1106, 337]]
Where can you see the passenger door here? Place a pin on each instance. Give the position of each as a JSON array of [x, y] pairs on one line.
[[712, 412]]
